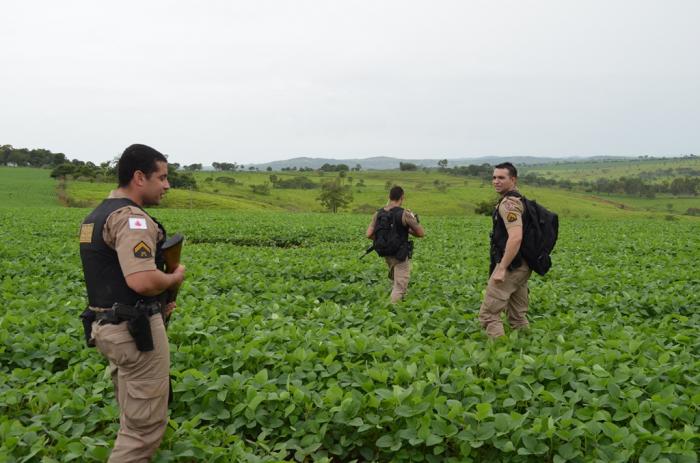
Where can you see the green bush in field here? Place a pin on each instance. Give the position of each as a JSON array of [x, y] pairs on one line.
[[486, 207], [262, 189], [298, 182]]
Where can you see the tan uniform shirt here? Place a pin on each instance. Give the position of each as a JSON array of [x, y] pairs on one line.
[[134, 235], [511, 211]]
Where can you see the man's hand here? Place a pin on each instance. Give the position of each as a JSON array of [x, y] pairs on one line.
[[499, 274], [169, 309], [178, 274]]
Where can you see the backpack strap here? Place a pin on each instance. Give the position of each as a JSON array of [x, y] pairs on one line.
[[396, 214]]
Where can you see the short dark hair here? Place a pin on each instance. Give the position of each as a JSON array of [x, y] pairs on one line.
[[138, 157], [395, 193], [512, 171]]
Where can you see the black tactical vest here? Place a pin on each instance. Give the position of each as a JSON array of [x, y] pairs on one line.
[[499, 237], [103, 276]]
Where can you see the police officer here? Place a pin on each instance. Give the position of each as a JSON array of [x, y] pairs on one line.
[[399, 269], [120, 248], [507, 287]]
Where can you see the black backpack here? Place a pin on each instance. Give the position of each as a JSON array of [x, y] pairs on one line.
[[390, 237], [540, 233]]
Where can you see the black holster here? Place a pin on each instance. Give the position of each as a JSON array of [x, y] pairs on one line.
[[88, 317], [405, 251], [139, 326], [138, 323]]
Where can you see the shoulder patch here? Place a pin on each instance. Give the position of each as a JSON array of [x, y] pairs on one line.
[[86, 232], [512, 217], [137, 223], [142, 251]]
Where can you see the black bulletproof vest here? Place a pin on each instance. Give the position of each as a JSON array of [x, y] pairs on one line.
[[499, 236], [103, 276]]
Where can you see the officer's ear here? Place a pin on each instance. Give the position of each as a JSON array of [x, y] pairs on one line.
[[139, 178]]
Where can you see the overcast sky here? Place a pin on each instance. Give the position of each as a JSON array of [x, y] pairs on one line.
[[257, 81]]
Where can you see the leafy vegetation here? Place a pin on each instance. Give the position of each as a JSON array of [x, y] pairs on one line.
[[284, 346]]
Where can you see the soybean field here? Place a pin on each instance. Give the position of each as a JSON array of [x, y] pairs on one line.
[[284, 346]]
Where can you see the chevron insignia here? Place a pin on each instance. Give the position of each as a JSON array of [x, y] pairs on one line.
[[142, 251]]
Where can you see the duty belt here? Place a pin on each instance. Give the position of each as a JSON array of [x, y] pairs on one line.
[[123, 312]]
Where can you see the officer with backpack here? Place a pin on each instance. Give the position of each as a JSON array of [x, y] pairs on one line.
[[389, 230], [509, 272]]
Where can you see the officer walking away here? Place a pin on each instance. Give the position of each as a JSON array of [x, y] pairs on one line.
[[120, 248], [390, 228], [507, 285]]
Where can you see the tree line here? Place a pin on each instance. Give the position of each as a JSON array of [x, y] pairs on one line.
[[687, 185], [632, 186], [107, 172], [23, 157]]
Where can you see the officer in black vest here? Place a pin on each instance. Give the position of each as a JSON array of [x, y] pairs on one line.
[[507, 287], [120, 248]]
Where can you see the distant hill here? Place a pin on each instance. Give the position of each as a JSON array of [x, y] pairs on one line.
[[387, 162]]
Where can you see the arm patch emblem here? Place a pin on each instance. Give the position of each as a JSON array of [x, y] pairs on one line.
[[86, 232], [142, 251], [512, 217]]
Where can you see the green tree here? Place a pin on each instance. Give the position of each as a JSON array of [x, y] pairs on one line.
[[193, 167], [225, 166], [334, 195], [63, 170], [185, 181], [486, 207]]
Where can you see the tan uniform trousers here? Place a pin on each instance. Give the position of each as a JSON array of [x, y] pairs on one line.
[[141, 386], [399, 273], [509, 295]]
